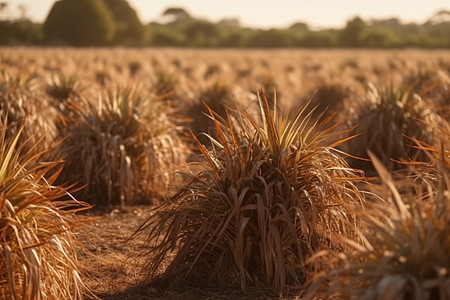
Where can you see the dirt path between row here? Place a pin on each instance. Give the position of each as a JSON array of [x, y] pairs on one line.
[[112, 264]]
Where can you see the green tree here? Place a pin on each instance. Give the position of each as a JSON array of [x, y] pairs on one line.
[[229, 23], [272, 38], [314, 39], [80, 23], [178, 14], [160, 35], [201, 33], [379, 38], [129, 29], [350, 36], [301, 26], [235, 37], [20, 32]]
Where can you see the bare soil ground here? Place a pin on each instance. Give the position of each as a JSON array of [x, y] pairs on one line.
[[113, 264]]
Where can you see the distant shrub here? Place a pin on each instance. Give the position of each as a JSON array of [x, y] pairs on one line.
[[159, 35], [201, 33], [269, 39], [20, 32], [380, 38]]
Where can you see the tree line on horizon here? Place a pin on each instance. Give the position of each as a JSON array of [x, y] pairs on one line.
[[86, 23]]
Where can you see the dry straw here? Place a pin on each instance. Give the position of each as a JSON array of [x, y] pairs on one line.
[[270, 197], [405, 253], [388, 121], [38, 258], [124, 148], [19, 100]]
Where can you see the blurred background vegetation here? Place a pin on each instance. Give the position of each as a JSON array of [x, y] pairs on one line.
[[84, 23]]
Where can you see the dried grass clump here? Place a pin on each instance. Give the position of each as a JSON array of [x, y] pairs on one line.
[[216, 96], [19, 99], [406, 249], [434, 86], [270, 198], [269, 85], [431, 84], [38, 249], [387, 122], [13, 82], [427, 175], [123, 148], [165, 83], [62, 87], [328, 99]]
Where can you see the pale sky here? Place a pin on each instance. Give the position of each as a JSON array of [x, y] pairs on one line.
[[268, 13]]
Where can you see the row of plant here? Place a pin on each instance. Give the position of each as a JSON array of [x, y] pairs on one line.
[[275, 207], [272, 200], [56, 147]]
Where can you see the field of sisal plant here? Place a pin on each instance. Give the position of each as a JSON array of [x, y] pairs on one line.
[[210, 174]]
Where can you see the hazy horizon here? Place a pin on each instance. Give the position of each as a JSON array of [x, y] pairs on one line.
[[266, 13]]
